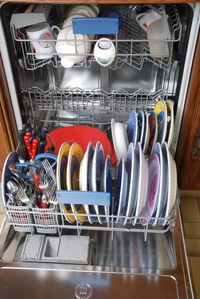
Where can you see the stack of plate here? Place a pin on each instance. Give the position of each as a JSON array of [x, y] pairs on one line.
[[85, 172], [145, 190], [146, 128]]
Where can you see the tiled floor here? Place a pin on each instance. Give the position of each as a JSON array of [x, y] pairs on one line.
[[190, 211]]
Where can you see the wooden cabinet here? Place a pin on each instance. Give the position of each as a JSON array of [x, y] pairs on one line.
[[8, 136], [188, 153]]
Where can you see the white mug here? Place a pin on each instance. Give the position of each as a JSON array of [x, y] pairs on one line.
[[146, 18], [41, 37], [104, 52]]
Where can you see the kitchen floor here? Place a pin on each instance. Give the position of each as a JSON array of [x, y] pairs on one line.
[[190, 211]]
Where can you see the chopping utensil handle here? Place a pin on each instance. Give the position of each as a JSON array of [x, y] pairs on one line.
[[34, 148], [37, 180], [28, 144]]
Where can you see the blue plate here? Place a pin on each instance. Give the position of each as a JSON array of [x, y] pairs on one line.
[[140, 126], [107, 185], [132, 164], [132, 128], [121, 189]]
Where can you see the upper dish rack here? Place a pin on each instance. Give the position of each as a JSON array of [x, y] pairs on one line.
[[132, 45]]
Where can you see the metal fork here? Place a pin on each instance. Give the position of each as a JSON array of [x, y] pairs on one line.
[[21, 195], [48, 169], [51, 192]]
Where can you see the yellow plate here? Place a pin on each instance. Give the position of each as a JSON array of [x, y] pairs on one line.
[[61, 173], [161, 111], [73, 166], [170, 123]]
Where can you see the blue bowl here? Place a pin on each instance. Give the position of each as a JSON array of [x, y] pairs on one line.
[[114, 14]]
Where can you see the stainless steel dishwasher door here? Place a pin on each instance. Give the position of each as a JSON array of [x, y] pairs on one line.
[[25, 283], [101, 278]]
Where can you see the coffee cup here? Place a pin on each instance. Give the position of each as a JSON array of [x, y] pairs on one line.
[[41, 39], [147, 18]]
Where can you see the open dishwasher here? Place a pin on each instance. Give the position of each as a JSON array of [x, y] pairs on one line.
[[44, 253]]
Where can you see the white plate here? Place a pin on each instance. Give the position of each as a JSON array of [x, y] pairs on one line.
[[120, 139], [120, 190], [140, 126], [132, 128], [170, 122], [132, 170], [171, 183], [153, 185], [84, 178], [98, 162], [146, 132], [107, 185], [141, 194], [162, 190]]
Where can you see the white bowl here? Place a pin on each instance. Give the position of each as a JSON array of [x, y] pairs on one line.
[[66, 48], [86, 10], [120, 139]]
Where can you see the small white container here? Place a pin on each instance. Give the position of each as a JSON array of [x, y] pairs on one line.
[[104, 52]]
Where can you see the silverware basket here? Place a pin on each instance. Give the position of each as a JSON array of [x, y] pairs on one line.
[[45, 220], [20, 218]]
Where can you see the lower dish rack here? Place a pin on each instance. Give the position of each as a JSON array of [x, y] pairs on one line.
[[53, 221]]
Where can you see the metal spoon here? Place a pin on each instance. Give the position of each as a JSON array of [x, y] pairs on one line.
[[12, 187]]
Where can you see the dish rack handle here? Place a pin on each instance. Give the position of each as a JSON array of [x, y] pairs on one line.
[[95, 25], [83, 197]]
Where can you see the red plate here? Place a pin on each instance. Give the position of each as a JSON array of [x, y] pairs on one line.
[[82, 135]]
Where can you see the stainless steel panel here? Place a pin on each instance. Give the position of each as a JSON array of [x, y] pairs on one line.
[[112, 272], [30, 284], [150, 78]]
